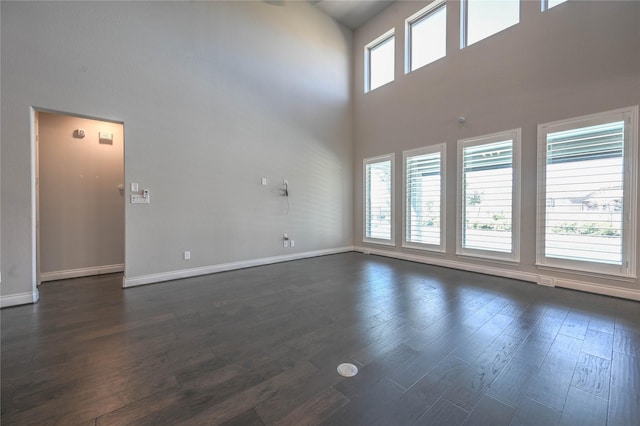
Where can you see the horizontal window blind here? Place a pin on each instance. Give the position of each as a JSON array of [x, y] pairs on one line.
[[584, 193], [378, 200], [488, 196], [423, 175]]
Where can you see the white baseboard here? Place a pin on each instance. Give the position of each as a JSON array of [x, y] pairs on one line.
[[81, 272], [19, 299], [624, 293], [212, 269], [543, 280]]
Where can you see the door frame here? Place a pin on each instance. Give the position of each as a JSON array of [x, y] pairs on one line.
[[35, 187]]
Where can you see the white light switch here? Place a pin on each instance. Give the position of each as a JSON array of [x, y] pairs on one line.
[[134, 187], [264, 181]]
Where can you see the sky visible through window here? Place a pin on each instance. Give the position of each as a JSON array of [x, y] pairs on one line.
[[487, 17], [429, 38], [381, 63], [552, 3]]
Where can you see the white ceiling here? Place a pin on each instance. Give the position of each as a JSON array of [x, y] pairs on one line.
[[352, 13]]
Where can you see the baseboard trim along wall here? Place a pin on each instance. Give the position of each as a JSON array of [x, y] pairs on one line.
[[543, 280], [205, 270], [81, 272], [19, 299]]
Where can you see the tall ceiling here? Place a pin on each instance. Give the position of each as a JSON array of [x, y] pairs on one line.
[[352, 13]]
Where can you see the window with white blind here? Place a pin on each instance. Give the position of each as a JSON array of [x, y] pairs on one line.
[[424, 179], [587, 193], [483, 18], [489, 196], [548, 4], [426, 36], [379, 61], [378, 200]]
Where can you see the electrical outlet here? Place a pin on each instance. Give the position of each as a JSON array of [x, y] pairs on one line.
[[546, 281], [187, 255], [285, 244], [292, 243]]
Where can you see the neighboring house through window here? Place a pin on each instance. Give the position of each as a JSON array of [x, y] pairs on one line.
[[587, 194]]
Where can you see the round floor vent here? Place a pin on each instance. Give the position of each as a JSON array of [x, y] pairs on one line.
[[347, 370]]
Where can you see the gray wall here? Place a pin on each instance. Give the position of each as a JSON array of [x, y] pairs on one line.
[[213, 96], [81, 207], [575, 59]]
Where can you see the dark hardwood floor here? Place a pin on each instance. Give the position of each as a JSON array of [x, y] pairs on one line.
[[261, 346]]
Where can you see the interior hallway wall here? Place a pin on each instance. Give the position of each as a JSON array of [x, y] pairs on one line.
[[214, 97], [81, 204]]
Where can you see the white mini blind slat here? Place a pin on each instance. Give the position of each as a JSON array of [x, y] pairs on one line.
[[423, 187], [584, 194], [378, 200], [488, 196]]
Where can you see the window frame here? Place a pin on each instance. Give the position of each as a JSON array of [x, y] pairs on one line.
[[423, 13], [372, 160], [627, 270], [442, 150], [367, 59], [515, 135], [464, 21]]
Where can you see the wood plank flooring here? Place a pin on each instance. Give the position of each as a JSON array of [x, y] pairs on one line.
[[260, 346]]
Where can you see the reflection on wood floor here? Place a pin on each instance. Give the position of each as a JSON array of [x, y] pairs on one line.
[[261, 346]]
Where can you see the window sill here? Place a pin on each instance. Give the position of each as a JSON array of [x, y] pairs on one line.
[[423, 248], [379, 242]]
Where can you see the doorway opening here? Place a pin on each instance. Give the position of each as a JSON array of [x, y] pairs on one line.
[[80, 196]]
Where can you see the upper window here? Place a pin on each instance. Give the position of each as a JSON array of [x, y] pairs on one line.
[[483, 18], [489, 196], [426, 36], [548, 4], [587, 194], [379, 61], [378, 200], [424, 198]]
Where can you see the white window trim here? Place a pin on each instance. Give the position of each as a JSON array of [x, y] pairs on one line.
[[514, 256], [367, 58], [431, 8], [372, 160], [628, 267], [442, 149]]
